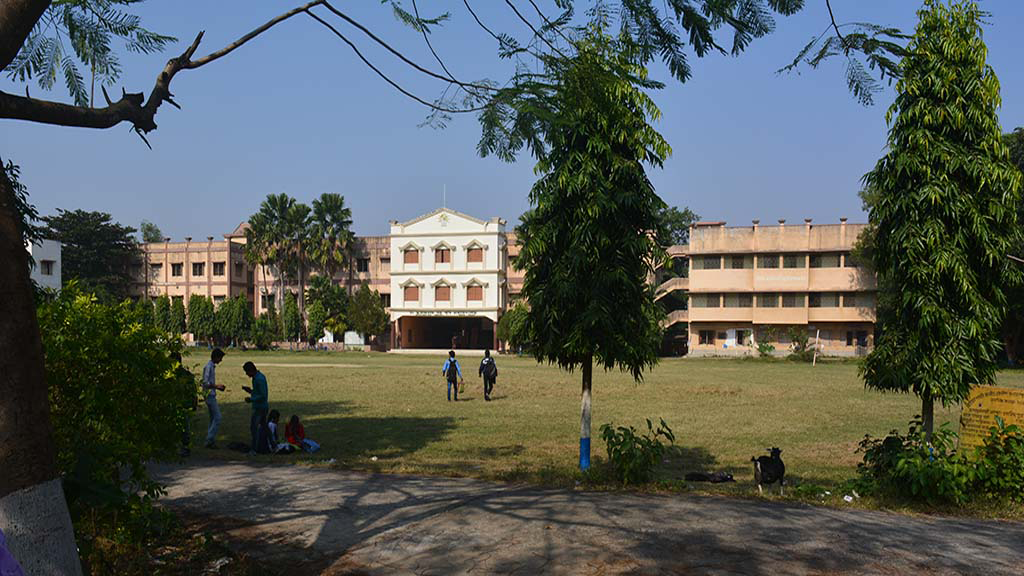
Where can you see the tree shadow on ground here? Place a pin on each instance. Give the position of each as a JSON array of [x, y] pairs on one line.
[[341, 436]]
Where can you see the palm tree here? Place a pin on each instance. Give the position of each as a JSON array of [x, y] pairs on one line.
[[270, 234], [331, 236], [295, 236]]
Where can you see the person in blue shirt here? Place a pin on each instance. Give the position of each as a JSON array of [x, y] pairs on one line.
[[453, 374], [258, 397]]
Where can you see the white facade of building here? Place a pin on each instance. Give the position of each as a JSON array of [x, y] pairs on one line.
[[447, 265], [46, 271]]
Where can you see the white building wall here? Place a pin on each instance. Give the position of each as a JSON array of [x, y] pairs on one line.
[[458, 232], [47, 269]]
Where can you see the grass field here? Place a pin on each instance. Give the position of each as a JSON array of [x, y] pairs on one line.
[[388, 413]]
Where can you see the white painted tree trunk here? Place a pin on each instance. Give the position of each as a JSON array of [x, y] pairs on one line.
[[37, 527], [585, 416]]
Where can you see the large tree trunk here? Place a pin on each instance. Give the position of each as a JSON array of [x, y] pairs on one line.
[[33, 513], [585, 415], [928, 416]]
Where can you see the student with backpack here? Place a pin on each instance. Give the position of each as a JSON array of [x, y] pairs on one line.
[[453, 374], [489, 371]]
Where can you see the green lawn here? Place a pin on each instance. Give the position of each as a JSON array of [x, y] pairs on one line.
[[392, 407]]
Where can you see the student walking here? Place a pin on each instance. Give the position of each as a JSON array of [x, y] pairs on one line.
[[259, 398], [453, 374], [210, 385], [489, 371]]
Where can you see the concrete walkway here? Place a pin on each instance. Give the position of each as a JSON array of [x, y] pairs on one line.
[[354, 523]]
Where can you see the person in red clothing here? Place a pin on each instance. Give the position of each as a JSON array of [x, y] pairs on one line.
[[294, 433]]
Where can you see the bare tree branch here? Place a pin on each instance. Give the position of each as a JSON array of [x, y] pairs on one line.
[[536, 34], [237, 43], [17, 19], [835, 26], [385, 77]]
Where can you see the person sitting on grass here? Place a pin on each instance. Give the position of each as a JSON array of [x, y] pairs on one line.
[[295, 434], [271, 435]]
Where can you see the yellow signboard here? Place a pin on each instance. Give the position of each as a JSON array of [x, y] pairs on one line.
[[980, 411]]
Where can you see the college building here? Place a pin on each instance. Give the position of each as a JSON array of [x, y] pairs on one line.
[[758, 284], [446, 278]]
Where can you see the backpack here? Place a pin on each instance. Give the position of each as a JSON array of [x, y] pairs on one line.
[[453, 372], [490, 368]]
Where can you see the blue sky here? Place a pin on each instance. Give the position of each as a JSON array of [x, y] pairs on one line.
[[296, 112]]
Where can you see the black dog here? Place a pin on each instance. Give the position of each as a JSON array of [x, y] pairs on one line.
[[769, 469]]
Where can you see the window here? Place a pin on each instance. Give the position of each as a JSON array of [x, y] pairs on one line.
[[46, 267], [849, 261], [411, 256], [823, 300], [385, 264], [723, 335], [768, 261], [851, 300], [156, 269], [176, 269], [442, 256], [792, 300], [475, 293], [239, 269], [769, 300], [707, 262], [362, 264], [738, 300], [266, 301], [198, 268], [705, 300], [860, 338], [743, 337], [218, 268], [385, 300], [442, 293], [707, 337], [739, 262], [794, 261], [824, 260], [475, 254], [411, 293], [825, 337]]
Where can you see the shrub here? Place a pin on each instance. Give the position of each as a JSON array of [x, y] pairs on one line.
[[802, 351], [915, 469], [633, 457], [1000, 463], [765, 348], [116, 398], [264, 331]]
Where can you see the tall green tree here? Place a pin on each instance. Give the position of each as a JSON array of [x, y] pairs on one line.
[[234, 319], [1013, 327], [366, 313], [162, 313], [675, 224], [317, 319], [96, 251], [586, 246], [334, 300], [150, 232], [330, 235], [201, 318], [943, 211], [291, 318], [178, 318]]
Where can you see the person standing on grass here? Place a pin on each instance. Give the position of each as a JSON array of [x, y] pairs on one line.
[[489, 371], [259, 398], [453, 374], [210, 386]]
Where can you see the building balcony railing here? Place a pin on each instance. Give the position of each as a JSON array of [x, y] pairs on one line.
[[671, 285], [675, 317]]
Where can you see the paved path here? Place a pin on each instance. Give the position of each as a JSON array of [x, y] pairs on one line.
[[382, 524]]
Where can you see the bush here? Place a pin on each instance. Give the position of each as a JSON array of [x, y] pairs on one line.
[[264, 331], [1000, 463], [802, 351], [915, 469], [633, 457], [116, 398], [765, 348]]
